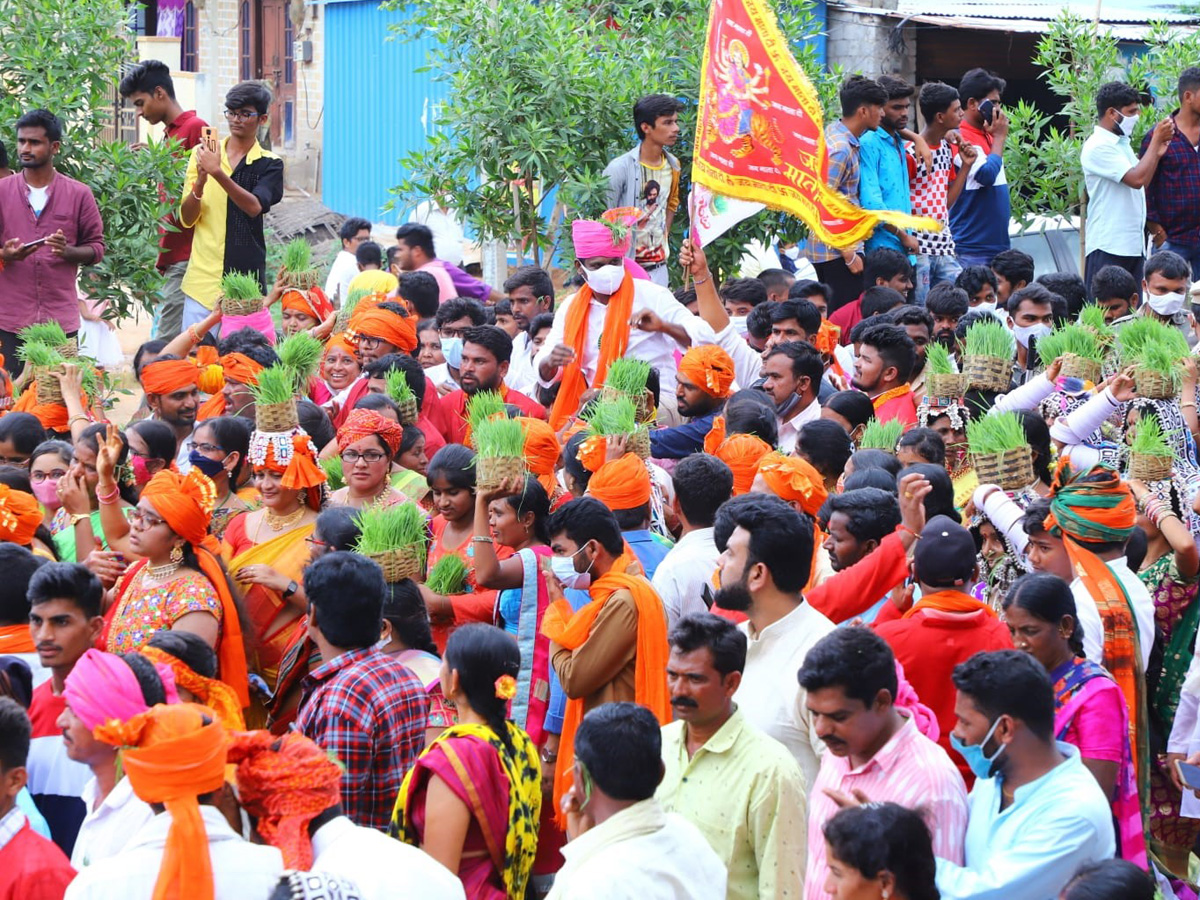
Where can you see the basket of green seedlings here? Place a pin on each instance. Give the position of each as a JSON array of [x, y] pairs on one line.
[[43, 360], [299, 272], [335, 473], [301, 355], [988, 356], [628, 377], [448, 576], [349, 305], [394, 537], [999, 451], [618, 416], [52, 335], [396, 386], [480, 406], [1080, 349], [941, 381], [1156, 352], [499, 452], [1092, 318], [241, 294], [881, 435], [275, 400], [1150, 457]]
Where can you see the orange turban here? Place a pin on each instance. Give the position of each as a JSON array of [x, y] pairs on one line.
[[166, 376], [399, 331], [741, 452], [362, 423], [235, 367], [794, 479], [827, 338], [715, 435], [294, 457], [20, 516], [216, 695], [285, 782], [709, 368], [621, 483], [339, 342], [592, 453], [314, 304], [542, 451], [172, 754]]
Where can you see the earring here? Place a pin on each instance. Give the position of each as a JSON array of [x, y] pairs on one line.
[[886, 894], [177, 554]]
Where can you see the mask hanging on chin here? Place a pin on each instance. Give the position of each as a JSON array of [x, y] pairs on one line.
[[606, 279], [978, 760]]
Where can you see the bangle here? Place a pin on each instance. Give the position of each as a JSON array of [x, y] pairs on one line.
[[480, 539], [701, 280], [194, 335], [111, 496], [905, 528], [1191, 403], [71, 421], [196, 196]]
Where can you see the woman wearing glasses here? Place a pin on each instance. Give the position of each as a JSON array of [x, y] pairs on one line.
[[368, 442], [219, 448]]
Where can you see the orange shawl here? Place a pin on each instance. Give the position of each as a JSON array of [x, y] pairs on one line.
[[16, 639], [613, 341], [950, 601], [570, 629]]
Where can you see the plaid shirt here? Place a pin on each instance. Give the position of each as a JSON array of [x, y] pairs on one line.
[[1173, 195], [371, 711], [843, 150]]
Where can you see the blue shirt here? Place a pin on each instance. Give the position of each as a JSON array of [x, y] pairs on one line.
[[1030, 850], [883, 181], [649, 548], [681, 440]]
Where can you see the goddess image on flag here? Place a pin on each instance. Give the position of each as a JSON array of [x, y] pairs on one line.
[[738, 110]]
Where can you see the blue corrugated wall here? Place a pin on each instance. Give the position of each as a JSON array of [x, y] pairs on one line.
[[377, 107]]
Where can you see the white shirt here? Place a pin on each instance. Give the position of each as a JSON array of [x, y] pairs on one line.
[[241, 870], [1116, 217], [38, 198], [341, 273], [770, 697], [439, 376], [522, 376], [382, 867], [747, 362], [447, 233], [641, 853], [656, 349], [789, 431], [683, 573], [1089, 615], [1185, 732], [108, 828]]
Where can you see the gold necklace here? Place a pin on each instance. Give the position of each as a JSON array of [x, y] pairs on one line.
[[278, 523], [161, 573]]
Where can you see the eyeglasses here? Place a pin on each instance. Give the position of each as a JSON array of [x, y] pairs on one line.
[[39, 477], [144, 519], [208, 448], [242, 114], [313, 542], [369, 343], [370, 456]]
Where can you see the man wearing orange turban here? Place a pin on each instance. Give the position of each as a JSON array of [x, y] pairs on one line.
[[702, 384], [796, 481], [172, 394], [20, 516], [624, 485], [241, 372], [379, 331], [542, 451], [302, 311], [742, 452], [174, 757]]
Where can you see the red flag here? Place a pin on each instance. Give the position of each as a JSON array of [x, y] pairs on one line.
[[759, 131]]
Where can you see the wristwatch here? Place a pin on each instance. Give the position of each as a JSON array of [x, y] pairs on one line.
[[290, 590], [79, 517]]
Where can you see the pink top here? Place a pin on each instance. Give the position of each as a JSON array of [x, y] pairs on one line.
[[446, 289], [1100, 732], [910, 770]]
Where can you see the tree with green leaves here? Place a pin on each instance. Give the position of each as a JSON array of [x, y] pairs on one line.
[[541, 98], [66, 58]]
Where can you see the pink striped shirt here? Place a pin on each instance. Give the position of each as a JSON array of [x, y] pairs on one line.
[[910, 770]]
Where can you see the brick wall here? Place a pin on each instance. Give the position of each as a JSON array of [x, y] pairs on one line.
[[859, 42]]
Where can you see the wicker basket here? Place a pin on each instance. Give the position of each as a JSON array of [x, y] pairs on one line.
[[1081, 367], [642, 407], [241, 307], [276, 418], [947, 384], [639, 443], [302, 281], [1145, 467], [490, 471], [401, 563], [69, 350], [988, 373], [1012, 470], [49, 391], [1154, 385], [408, 411]]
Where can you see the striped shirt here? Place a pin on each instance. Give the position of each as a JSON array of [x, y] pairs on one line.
[[55, 780], [842, 148], [910, 770]]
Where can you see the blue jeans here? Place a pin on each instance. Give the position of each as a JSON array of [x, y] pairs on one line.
[[933, 270], [1191, 254]]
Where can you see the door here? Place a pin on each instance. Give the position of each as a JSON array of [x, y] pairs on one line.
[[278, 69]]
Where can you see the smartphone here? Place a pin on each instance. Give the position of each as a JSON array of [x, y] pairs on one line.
[[1188, 774], [36, 243], [987, 110], [208, 135]]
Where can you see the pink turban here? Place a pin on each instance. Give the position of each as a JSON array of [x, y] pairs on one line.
[[596, 238], [102, 687]]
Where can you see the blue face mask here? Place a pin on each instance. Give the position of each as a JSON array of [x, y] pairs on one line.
[[452, 349], [977, 759], [209, 467]]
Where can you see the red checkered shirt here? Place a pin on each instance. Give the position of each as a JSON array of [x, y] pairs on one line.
[[371, 711], [928, 193]]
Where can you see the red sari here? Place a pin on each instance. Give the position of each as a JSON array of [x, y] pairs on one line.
[[476, 604]]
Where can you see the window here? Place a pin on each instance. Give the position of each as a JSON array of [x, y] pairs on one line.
[[245, 40], [188, 49], [289, 38]]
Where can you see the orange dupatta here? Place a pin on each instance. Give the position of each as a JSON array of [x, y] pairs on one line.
[[613, 341], [570, 629], [949, 601], [16, 639]]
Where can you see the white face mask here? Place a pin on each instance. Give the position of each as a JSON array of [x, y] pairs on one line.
[[606, 279], [739, 324], [1165, 304], [1025, 333], [1127, 124], [563, 568], [792, 252], [989, 307]]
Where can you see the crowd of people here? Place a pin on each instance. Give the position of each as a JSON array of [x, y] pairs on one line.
[[789, 629]]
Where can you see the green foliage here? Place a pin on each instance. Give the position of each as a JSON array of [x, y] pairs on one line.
[[881, 435], [383, 528], [627, 376], [1071, 338], [937, 359], [616, 416], [40, 354], [496, 438], [300, 353], [297, 256], [484, 405], [66, 57], [989, 338], [1148, 438], [240, 286], [395, 385], [275, 385], [334, 472], [997, 432], [49, 333], [563, 109], [448, 576], [1092, 316]]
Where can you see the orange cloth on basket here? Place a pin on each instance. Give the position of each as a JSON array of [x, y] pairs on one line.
[[709, 368], [399, 331], [621, 483], [166, 376], [171, 756], [20, 516]]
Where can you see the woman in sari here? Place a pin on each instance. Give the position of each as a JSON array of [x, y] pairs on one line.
[[406, 636], [219, 448], [411, 464], [367, 443], [178, 584], [480, 778], [266, 549], [1090, 710]]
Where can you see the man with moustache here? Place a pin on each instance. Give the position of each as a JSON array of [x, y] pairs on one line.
[[703, 382], [741, 788], [486, 353]]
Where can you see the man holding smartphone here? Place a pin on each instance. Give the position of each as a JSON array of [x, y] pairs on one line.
[[979, 218], [49, 226]]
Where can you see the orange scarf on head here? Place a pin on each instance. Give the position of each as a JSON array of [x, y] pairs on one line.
[[16, 639], [166, 376], [795, 480], [570, 629], [613, 341], [950, 601], [216, 695], [236, 367]]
